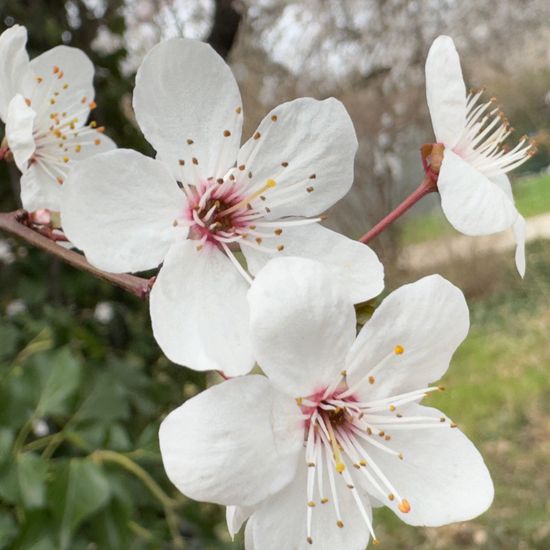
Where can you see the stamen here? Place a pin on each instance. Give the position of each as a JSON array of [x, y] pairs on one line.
[[246, 201]]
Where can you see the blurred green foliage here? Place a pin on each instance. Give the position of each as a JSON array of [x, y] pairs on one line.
[[82, 396]]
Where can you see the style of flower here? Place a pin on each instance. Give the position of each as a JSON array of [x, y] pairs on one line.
[[203, 199], [336, 426], [476, 195], [45, 104]]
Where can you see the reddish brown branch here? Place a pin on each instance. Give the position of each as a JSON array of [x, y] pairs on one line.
[[17, 224]]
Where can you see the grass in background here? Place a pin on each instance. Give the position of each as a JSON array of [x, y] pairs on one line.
[[532, 196], [499, 394]]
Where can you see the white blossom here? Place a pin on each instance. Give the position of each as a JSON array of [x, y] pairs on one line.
[[476, 195], [45, 104], [336, 427], [205, 208]]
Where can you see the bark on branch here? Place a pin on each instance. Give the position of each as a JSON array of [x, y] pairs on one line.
[[18, 224]]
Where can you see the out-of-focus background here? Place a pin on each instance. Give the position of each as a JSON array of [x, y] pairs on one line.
[[83, 385]]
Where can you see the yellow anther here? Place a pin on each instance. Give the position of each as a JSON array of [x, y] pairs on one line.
[[392, 408], [340, 466], [299, 401], [65, 159], [362, 462], [399, 349], [404, 506], [78, 148], [391, 496], [311, 504], [372, 380], [324, 500], [375, 541], [340, 524]]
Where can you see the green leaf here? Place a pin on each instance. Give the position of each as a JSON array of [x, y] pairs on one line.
[[9, 487], [87, 492], [31, 476], [8, 529], [62, 381], [6, 441], [107, 401], [8, 340]]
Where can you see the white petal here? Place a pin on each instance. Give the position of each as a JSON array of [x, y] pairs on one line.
[[237, 442], [19, 131], [318, 141], [445, 91], [472, 203], [235, 516], [503, 182], [39, 189], [185, 91], [280, 522], [428, 319], [354, 265], [248, 538], [442, 474], [60, 66], [15, 74], [119, 208], [519, 229], [41, 184], [302, 325], [199, 310]]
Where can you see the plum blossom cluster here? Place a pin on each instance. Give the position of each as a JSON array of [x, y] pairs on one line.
[[248, 275]]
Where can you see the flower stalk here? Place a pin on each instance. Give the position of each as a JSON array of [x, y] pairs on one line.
[[432, 157], [427, 186]]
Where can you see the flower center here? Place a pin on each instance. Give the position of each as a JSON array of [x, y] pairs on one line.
[[348, 442], [60, 134], [481, 142]]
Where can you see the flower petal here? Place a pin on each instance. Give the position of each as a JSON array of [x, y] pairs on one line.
[[519, 229], [445, 91], [473, 204], [119, 208], [64, 83], [39, 189], [442, 475], [351, 263], [199, 310], [308, 148], [410, 339], [15, 74], [235, 516], [302, 325], [237, 442], [19, 131], [189, 108], [281, 521]]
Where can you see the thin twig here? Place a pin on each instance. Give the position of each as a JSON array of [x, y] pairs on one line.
[[16, 223]]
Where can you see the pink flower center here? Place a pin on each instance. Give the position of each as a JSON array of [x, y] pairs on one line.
[[348, 443]]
